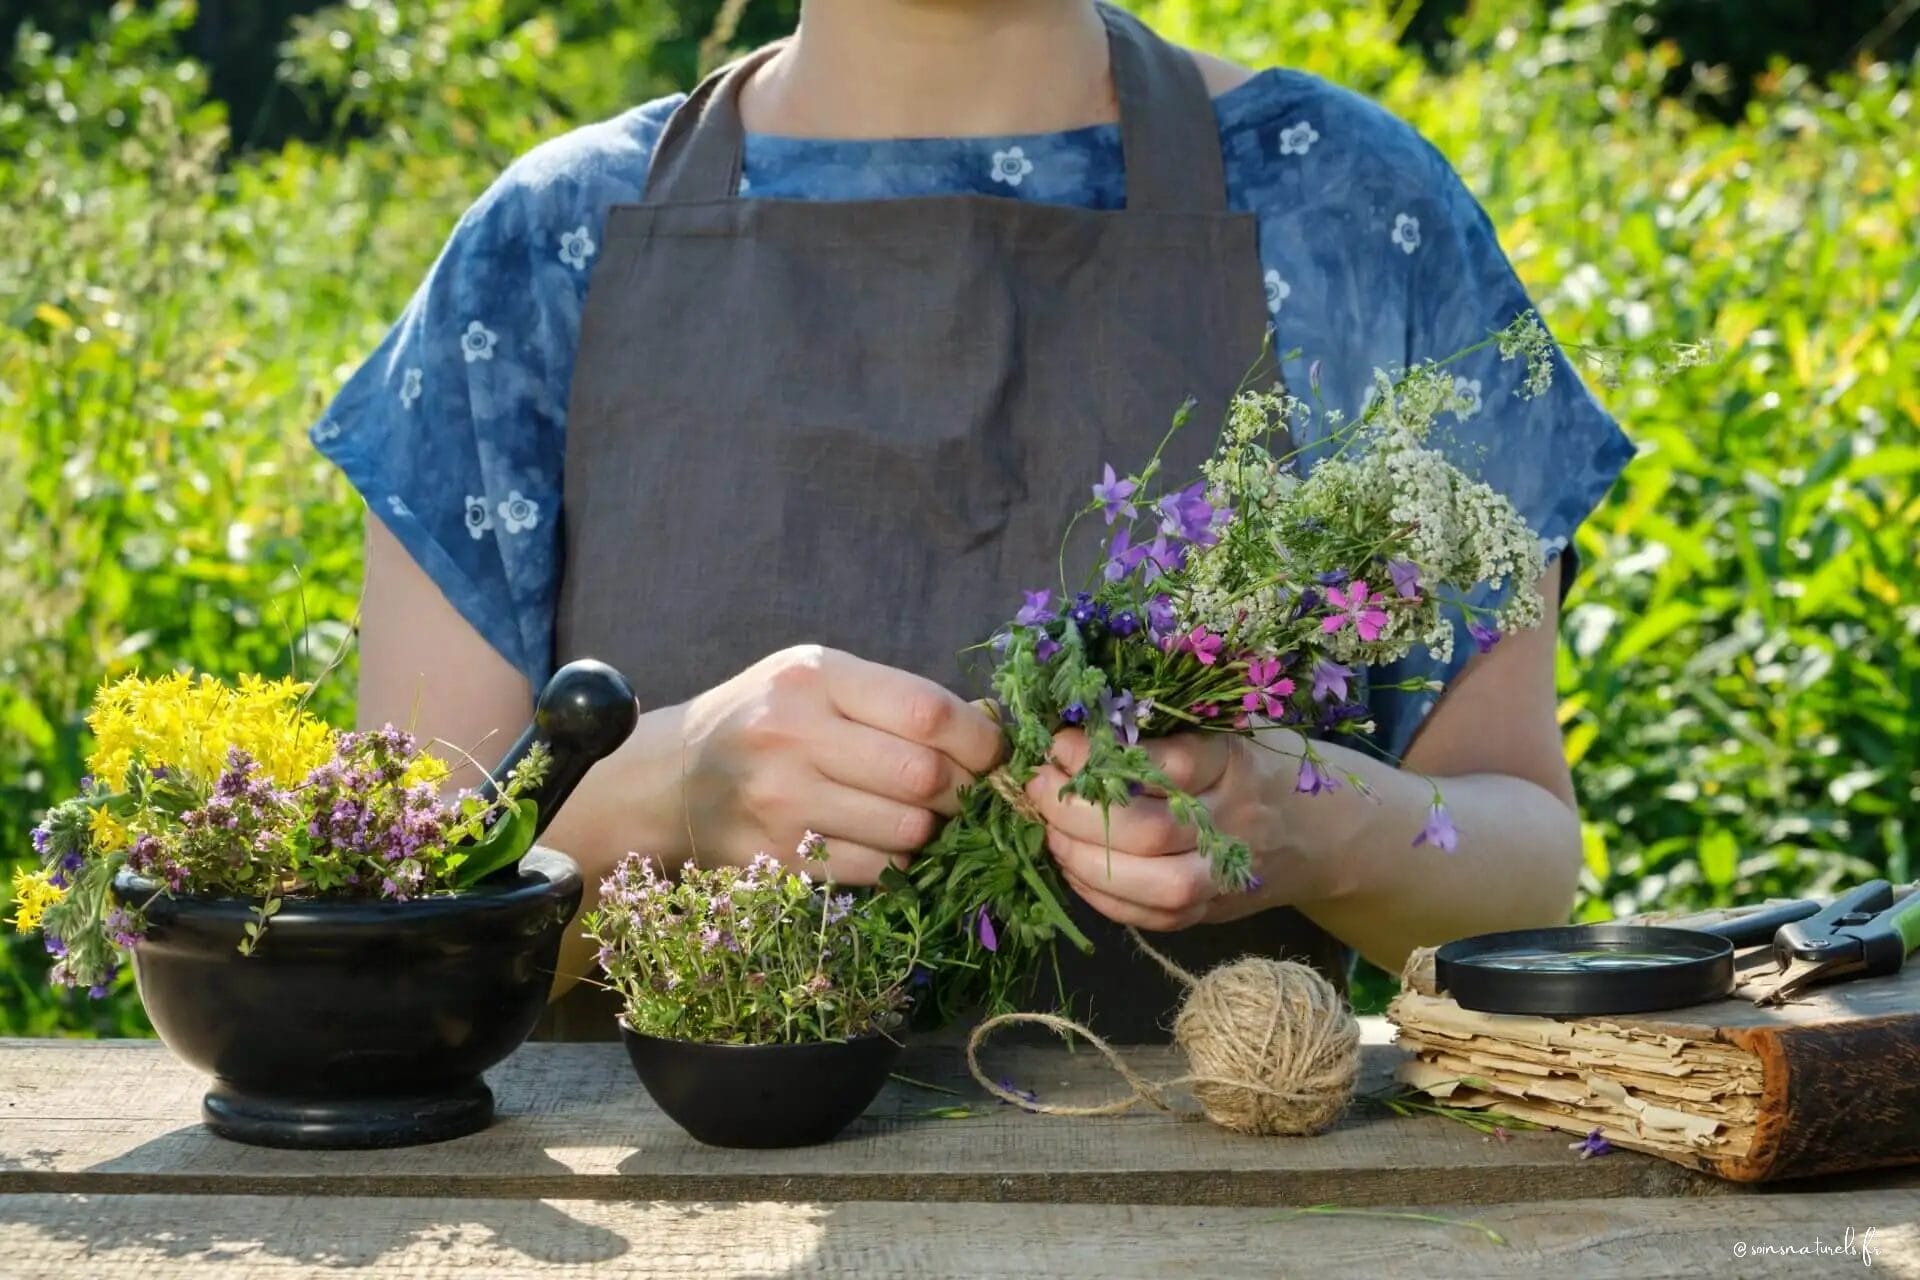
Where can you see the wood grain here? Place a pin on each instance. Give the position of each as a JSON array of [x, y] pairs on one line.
[[166, 1238], [122, 1118]]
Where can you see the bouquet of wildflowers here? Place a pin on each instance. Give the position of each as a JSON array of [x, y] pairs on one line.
[[754, 955], [1246, 597], [211, 790]]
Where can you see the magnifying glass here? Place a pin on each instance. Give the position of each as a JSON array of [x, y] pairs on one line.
[[1578, 970]]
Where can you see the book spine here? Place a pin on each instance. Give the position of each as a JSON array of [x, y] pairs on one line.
[[1836, 1097]]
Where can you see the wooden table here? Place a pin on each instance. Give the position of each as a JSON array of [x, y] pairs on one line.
[[105, 1171]]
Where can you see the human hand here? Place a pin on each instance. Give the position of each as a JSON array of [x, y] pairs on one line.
[[868, 756], [1137, 864]]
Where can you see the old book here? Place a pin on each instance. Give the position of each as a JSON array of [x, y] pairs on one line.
[[1827, 1083]]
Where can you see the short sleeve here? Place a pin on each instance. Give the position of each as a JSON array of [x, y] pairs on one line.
[[1554, 455], [452, 435], [454, 429]]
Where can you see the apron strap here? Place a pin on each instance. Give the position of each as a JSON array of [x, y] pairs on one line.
[[1169, 135]]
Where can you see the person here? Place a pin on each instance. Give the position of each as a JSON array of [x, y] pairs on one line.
[[775, 395]]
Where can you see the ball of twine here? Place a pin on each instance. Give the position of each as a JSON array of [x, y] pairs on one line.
[[1271, 1049]]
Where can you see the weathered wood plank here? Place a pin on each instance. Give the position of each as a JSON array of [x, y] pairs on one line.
[[176, 1238], [122, 1118]]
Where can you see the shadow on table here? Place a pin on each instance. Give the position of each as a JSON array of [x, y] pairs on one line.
[[201, 1218]]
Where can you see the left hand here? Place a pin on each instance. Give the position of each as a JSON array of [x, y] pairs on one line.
[[1138, 866]]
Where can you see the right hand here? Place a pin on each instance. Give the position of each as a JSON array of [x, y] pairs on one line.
[[868, 756]]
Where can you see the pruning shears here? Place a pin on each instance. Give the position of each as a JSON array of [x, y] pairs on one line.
[[1863, 933]]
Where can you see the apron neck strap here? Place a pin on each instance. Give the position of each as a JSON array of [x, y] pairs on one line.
[[1169, 136]]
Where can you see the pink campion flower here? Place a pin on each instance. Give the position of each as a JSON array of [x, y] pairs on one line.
[[1352, 602], [1269, 688], [1439, 830], [1202, 645]]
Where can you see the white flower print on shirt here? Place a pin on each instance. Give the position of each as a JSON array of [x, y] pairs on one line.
[[519, 513], [398, 506], [1467, 396], [1278, 291], [327, 430], [1011, 166], [477, 342], [479, 519], [576, 246], [1298, 139], [410, 387], [1406, 232]]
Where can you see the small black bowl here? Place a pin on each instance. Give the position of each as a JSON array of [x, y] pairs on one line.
[[762, 1095], [355, 1023]]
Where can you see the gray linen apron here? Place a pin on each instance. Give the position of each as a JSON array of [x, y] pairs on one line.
[[866, 424]]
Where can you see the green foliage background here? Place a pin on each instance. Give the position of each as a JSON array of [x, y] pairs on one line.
[[1741, 672]]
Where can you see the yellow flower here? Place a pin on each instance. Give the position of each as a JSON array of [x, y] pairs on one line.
[[189, 724], [109, 834], [425, 767], [33, 893]]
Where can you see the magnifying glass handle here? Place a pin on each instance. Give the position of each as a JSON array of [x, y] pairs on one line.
[[583, 715]]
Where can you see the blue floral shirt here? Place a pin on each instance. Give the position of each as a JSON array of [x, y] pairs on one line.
[[1372, 252]]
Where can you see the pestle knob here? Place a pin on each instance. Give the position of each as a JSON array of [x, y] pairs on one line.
[[583, 715]]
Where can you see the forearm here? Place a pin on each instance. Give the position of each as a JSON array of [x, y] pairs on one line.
[[1362, 878], [629, 802]]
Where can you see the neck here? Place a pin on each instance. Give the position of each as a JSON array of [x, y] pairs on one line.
[[935, 68]]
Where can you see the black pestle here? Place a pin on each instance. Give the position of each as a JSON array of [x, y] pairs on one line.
[[583, 715]]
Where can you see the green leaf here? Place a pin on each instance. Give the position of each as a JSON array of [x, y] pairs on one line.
[[1719, 857], [505, 843]]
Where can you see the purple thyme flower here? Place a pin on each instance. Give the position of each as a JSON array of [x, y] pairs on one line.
[[983, 926], [1161, 620], [1074, 713], [1330, 680], [1035, 611], [1045, 648], [709, 937], [1439, 831], [120, 930], [1112, 493], [1406, 578], [40, 837], [1591, 1145], [1124, 623], [1315, 780], [1484, 637], [839, 907]]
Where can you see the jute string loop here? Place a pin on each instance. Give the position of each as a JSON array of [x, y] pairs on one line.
[[1271, 1046]]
